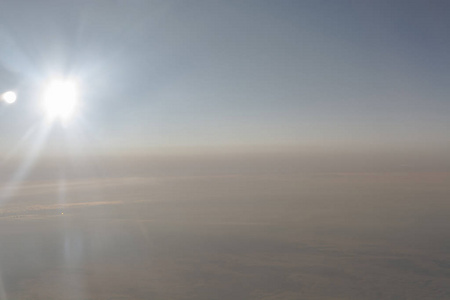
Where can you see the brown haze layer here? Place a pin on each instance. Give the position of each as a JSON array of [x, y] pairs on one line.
[[228, 226]]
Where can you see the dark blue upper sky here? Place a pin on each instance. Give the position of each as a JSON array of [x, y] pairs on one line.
[[195, 73]]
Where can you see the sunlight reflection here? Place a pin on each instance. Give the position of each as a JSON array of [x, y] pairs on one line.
[[2, 288]]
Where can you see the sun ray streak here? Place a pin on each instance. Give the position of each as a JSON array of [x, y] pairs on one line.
[[22, 140], [12, 185]]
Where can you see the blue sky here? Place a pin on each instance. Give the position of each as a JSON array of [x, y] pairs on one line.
[[202, 73]]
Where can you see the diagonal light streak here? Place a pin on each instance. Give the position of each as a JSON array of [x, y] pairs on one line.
[[11, 186], [24, 139]]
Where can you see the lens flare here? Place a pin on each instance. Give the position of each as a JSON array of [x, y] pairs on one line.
[[9, 97]]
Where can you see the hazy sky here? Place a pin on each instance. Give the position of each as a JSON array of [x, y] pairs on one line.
[[196, 73], [226, 150]]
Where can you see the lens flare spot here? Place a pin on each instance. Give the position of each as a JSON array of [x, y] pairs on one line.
[[9, 97]]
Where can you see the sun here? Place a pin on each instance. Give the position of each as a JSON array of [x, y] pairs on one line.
[[60, 99]]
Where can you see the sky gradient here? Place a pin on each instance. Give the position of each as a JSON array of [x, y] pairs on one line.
[[232, 73]]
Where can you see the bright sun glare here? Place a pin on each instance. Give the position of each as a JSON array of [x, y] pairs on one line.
[[60, 99]]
